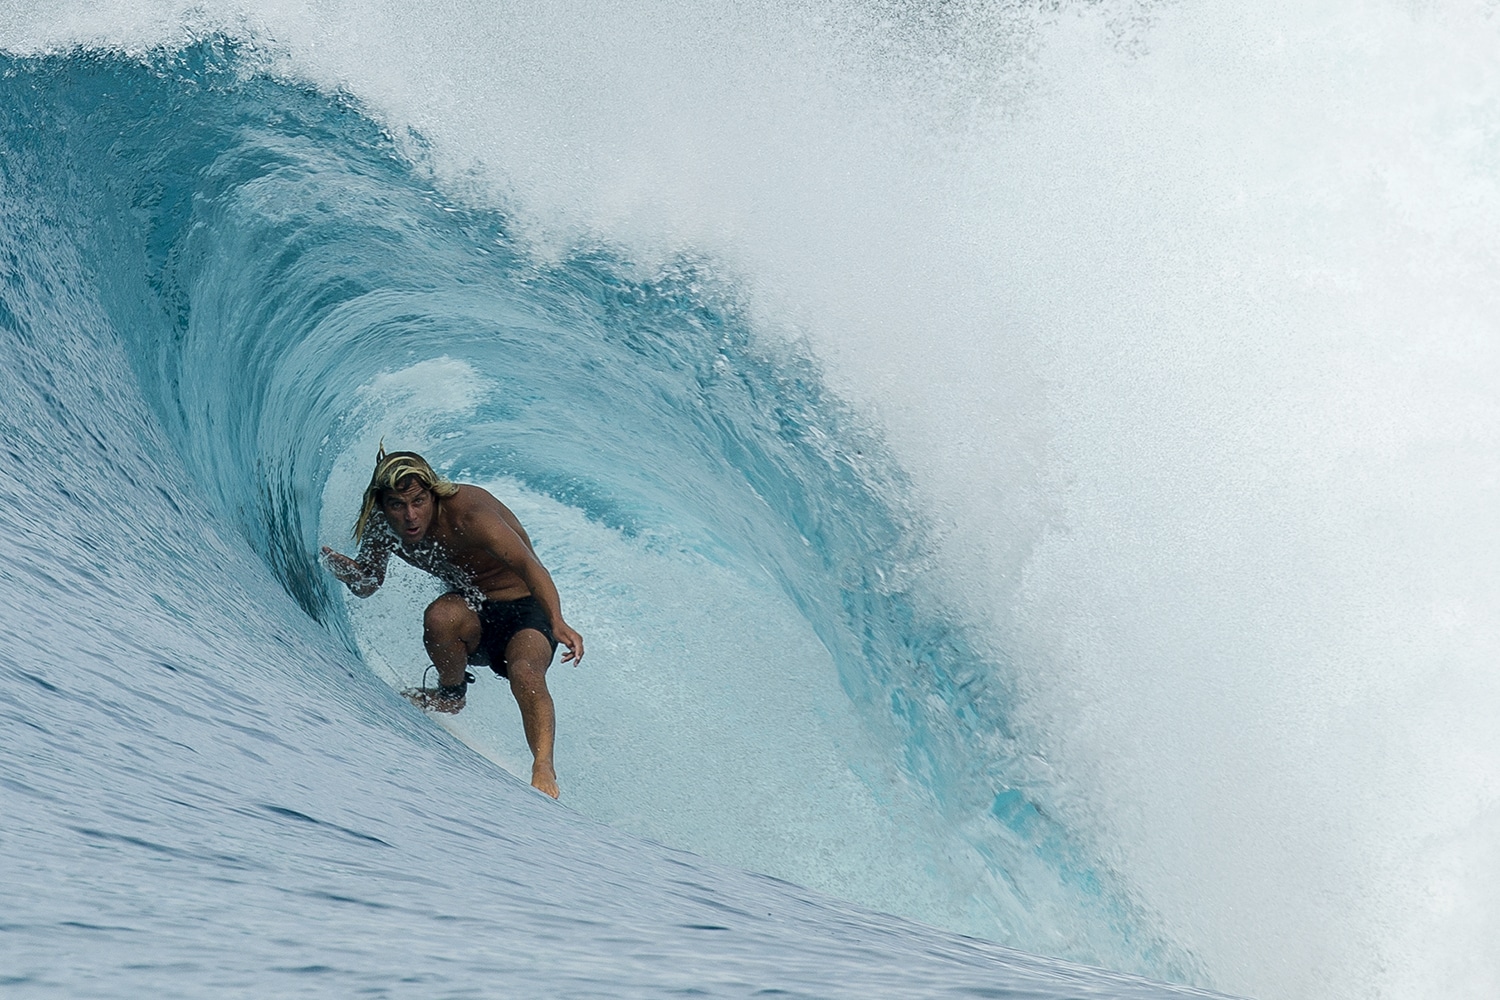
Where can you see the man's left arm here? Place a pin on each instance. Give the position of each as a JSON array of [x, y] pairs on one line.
[[507, 546]]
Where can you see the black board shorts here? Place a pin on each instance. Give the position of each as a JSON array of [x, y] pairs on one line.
[[501, 620]]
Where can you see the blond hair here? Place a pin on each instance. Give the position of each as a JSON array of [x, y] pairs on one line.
[[390, 471]]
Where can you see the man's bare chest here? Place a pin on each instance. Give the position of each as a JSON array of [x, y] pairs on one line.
[[449, 558]]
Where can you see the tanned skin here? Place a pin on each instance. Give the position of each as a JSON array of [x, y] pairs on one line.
[[482, 537]]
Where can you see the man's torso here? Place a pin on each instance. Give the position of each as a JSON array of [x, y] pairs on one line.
[[451, 553]]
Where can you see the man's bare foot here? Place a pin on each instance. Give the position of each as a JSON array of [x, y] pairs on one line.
[[544, 779]]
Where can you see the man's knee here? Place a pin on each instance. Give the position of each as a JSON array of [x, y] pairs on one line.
[[528, 654], [527, 672], [449, 618], [527, 668]]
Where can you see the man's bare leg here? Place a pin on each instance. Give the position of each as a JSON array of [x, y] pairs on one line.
[[526, 660], [450, 631]]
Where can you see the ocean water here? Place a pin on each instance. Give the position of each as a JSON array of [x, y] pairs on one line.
[[1025, 474]]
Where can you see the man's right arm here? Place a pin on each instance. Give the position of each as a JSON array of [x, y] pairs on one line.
[[362, 575]]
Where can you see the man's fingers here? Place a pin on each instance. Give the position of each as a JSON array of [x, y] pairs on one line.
[[337, 560], [564, 634], [341, 566]]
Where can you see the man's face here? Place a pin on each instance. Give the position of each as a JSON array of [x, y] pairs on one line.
[[409, 508]]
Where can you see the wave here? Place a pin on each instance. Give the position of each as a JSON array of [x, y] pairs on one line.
[[1024, 468], [283, 288]]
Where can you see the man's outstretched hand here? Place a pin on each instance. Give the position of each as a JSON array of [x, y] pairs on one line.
[[350, 573]]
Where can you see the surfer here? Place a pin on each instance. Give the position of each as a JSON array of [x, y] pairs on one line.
[[501, 606]]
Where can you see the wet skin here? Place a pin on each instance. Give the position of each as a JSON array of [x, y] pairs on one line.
[[481, 537]]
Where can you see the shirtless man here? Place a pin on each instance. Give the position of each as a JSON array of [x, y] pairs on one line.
[[501, 607]]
